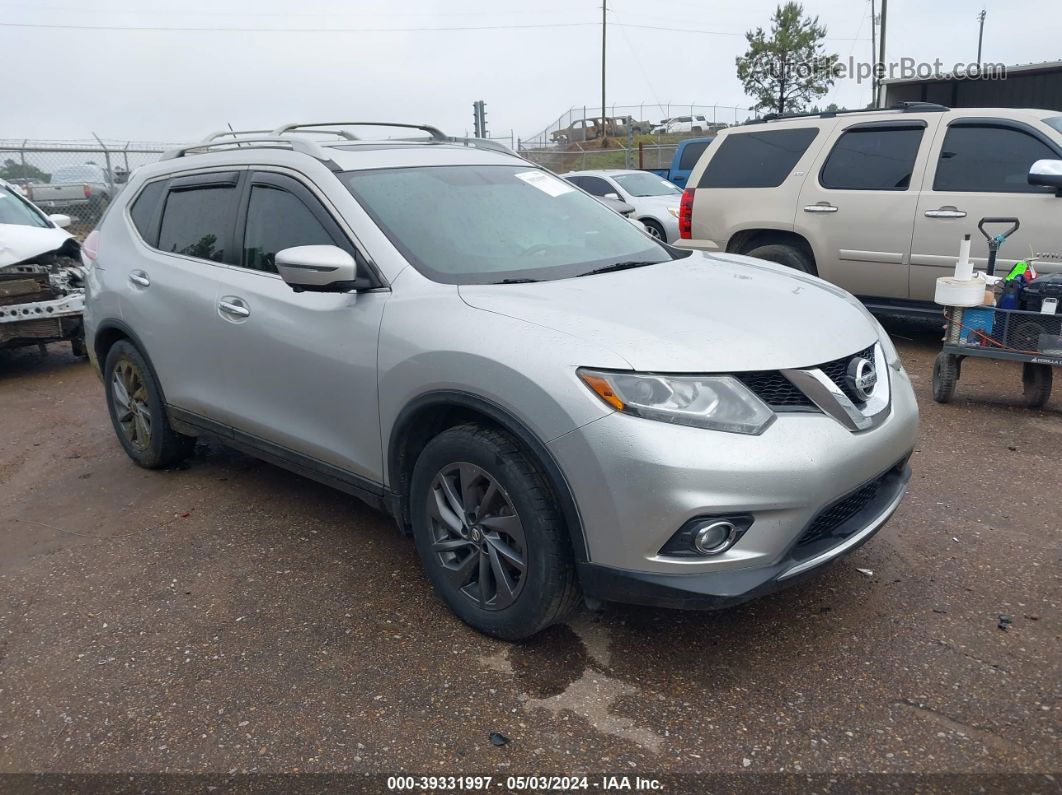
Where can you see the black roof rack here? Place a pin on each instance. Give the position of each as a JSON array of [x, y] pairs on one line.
[[902, 107]]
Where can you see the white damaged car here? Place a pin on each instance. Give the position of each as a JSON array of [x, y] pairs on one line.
[[42, 294]]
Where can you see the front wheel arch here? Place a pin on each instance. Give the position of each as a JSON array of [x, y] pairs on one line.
[[430, 414]]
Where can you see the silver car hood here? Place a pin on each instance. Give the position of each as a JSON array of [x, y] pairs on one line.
[[703, 313]]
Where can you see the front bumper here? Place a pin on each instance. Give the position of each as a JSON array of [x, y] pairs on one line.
[[715, 590], [636, 482]]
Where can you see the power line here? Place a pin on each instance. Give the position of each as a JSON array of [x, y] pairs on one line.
[[201, 29], [413, 29]]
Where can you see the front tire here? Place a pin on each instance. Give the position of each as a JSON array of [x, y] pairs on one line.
[[138, 414], [654, 228], [945, 377], [489, 533]]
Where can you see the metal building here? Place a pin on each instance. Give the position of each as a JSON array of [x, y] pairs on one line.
[[1037, 85]]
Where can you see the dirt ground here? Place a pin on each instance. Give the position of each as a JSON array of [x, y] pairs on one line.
[[231, 616]]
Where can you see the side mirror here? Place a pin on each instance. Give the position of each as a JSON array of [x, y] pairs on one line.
[[1047, 172], [62, 221], [318, 269], [612, 196]]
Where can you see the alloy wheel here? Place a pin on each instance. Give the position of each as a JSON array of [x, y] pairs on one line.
[[477, 535], [130, 396]]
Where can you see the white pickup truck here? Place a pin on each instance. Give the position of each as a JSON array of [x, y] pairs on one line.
[[42, 292], [83, 190]]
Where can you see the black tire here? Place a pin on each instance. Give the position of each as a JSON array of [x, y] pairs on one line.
[[545, 590], [654, 228], [1036, 381], [77, 346], [160, 446], [945, 377], [783, 255]]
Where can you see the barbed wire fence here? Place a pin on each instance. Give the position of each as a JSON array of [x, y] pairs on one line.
[[645, 135], [75, 178]]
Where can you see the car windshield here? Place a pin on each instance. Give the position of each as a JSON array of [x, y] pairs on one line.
[[15, 210], [484, 224], [87, 173], [646, 184]]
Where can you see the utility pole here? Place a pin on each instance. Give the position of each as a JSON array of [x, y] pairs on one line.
[[604, 126], [881, 53], [873, 53], [981, 34]]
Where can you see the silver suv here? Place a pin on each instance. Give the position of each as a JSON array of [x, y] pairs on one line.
[[552, 401], [878, 201]]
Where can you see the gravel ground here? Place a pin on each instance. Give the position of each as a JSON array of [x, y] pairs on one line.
[[231, 616]]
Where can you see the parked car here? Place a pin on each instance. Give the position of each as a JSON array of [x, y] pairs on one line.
[[578, 130], [84, 190], [687, 153], [23, 185], [549, 400], [655, 200], [878, 201], [683, 124], [41, 278], [621, 125]]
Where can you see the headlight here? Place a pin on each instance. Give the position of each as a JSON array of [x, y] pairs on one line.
[[892, 356], [673, 211], [720, 403]]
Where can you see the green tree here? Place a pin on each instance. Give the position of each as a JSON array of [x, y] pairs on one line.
[[788, 68], [14, 170]]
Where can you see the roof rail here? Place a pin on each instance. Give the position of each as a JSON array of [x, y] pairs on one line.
[[435, 132], [902, 107], [301, 145], [225, 133]]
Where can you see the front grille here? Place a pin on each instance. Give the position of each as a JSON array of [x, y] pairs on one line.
[[777, 391], [774, 389], [837, 371], [45, 328]]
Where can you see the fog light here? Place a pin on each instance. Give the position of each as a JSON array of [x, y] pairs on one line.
[[714, 537], [705, 536]]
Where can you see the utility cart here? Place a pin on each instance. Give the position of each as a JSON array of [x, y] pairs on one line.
[[1031, 334]]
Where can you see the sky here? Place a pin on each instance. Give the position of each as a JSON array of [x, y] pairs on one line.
[[183, 68]]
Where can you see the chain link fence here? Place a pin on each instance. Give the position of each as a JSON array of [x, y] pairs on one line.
[[75, 178], [631, 136], [583, 124]]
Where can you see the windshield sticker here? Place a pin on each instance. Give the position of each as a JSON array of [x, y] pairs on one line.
[[554, 186]]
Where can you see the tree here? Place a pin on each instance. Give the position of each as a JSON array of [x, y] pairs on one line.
[[785, 71], [14, 170]]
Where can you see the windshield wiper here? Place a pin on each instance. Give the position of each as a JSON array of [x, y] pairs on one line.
[[517, 281], [620, 266]]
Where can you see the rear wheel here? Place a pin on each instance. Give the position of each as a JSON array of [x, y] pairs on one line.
[[134, 402], [783, 255], [489, 533], [1036, 381], [945, 377]]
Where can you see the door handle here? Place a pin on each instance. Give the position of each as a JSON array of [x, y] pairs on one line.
[[234, 306], [139, 278], [821, 207], [946, 212]]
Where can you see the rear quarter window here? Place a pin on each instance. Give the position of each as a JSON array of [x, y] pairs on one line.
[[760, 159], [143, 210]]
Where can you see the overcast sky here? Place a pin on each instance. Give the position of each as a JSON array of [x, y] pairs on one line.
[[246, 62]]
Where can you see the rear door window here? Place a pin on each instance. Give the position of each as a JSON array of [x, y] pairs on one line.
[[761, 159], [872, 159], [197, 221], [595, 186], [989, 159]]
